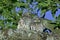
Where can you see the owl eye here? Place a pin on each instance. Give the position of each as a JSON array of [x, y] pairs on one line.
[[47, 30]]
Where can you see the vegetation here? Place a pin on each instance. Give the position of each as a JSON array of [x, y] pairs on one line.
[[12, 10]]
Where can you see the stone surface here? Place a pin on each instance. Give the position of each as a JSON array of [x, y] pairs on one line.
[[50, 38]]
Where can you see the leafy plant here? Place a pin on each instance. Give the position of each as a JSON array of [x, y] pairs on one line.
[[8, 9]]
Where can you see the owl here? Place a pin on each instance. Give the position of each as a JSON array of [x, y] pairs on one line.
[[24, 22], [36, 24]]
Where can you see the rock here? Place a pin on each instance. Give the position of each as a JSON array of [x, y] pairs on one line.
[[50, 38], [10, 32]]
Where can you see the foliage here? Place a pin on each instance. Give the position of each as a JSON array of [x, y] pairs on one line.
[[12, 10]]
